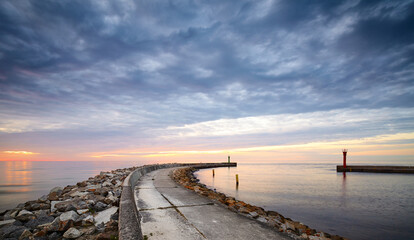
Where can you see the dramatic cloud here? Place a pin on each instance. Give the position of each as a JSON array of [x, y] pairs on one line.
[[112, 75]]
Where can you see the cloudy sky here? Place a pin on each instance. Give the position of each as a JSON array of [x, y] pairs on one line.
[[197, 80]]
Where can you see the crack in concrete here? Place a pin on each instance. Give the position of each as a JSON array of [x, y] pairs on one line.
[[179, 212], [161, 208]]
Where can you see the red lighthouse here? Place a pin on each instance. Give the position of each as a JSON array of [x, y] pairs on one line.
[[344, 151]]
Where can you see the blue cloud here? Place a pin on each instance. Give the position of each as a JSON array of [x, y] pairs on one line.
[[151, 65]]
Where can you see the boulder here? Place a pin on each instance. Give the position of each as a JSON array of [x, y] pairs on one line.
[[71, 215], [72, 233], [89, 230], [65, 206], [54, 196], [253, 214], [51, 227], [53, 204], [33, 223], [65, 225], [81, 184], [107, 184], [78, 194], [11, 231], [105, 216], [55, 236], [26, 234], [6, 222], [82, 211], [43, 199], [88, 220], [56, 190], [25, 215], [99, 206]]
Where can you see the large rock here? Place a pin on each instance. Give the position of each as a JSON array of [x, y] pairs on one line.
[[71, 215], [56, 190], [100, 206], [35, 205], [25, 215], [26, 234], [78, 194], [33, 223], [6, 222], [55, 193], [105, 216], [72, 233], [51, 227], [65, 206], [53, 204], [107, 184], [11, 231], [55, 236]]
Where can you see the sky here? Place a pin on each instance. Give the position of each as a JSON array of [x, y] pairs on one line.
[[171, 81]]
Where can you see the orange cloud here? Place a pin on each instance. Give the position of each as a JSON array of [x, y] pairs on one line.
[[376, 145], [20, 152]]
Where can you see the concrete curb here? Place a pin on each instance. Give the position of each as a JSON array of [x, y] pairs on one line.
[[129, 219]]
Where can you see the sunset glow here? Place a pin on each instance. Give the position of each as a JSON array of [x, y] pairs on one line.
[[257, 80], [20, 152]]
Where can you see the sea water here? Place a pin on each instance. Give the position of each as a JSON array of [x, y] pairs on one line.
[[353, 205], [22, 181]]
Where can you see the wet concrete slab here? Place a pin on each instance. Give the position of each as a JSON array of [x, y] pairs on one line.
[[169, 211]]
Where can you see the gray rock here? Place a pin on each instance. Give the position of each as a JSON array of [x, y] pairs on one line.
[[105, 216], [53, 204], [79, 194], [71, 215], [51, 227], [100, 206], [91, 187], [88, 230], [82, 211], [82, 205], [41, 213], [253, 214], [57, 190], [14, 213], [26, 234], [18, 223], [33, 223], [115, 216], [107, 184], [55, 236], [6, 222], [88, 220], [24, 215], [11, 231], [72, 233], [261, 219], [20, 206], [65, 206], [100, 227], [43, 198]]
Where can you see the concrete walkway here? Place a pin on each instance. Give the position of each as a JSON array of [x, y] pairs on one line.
[[170, 211]]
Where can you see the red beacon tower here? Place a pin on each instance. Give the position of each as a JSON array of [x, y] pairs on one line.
[[344, 151]]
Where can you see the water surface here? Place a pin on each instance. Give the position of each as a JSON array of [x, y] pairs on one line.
[[24, 181], [355, 205]]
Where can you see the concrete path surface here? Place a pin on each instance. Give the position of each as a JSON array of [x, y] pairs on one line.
[[169, 211]]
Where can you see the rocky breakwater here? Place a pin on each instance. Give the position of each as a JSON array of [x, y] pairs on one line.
[[87, 210], [296, 230]]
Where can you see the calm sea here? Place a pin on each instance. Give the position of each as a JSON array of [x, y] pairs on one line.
[[24, 181], [355, 205]]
